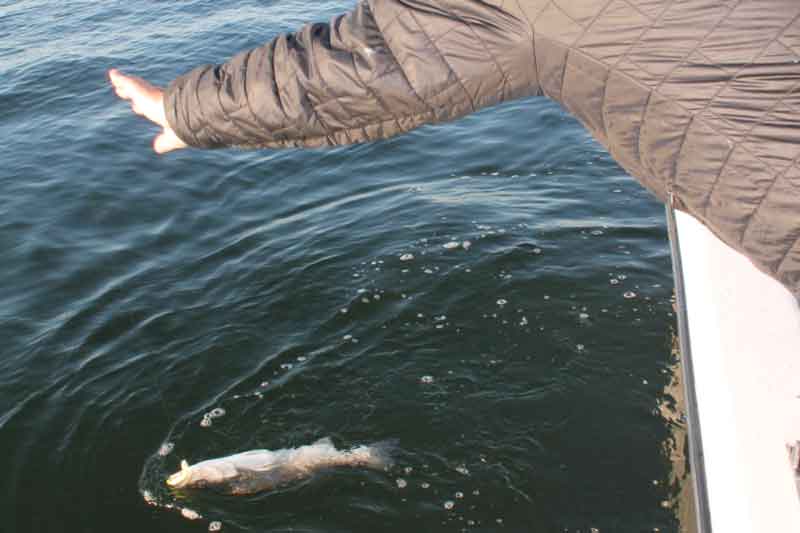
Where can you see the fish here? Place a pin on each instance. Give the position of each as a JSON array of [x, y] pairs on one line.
[[261, 470]]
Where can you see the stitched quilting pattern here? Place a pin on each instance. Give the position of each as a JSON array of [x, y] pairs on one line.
[[739, 81], [698, 99]]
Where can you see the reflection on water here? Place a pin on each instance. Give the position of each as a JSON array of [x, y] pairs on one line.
[[672, 406]]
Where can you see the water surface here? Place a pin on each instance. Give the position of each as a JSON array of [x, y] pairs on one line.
[[523, 375]]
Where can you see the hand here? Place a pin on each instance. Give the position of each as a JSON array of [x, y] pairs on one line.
[[147, 100]]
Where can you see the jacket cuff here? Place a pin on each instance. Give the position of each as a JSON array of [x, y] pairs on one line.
[[179, 100]]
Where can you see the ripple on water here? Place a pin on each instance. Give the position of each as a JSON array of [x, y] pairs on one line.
[[150, 296]]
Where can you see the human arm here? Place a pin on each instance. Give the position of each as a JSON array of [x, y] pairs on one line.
[[382, 69], [147, 100]]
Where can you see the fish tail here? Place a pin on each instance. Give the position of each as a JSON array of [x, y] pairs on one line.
[[377, 455]]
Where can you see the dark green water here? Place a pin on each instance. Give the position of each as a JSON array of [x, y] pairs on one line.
[[140, 292]]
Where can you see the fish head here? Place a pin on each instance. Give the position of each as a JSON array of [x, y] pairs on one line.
[[199, 475], [181, 478]]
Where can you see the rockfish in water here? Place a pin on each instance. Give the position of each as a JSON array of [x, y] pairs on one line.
[[259, 470]]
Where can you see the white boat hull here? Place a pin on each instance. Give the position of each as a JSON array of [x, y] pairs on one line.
[[743, 332]]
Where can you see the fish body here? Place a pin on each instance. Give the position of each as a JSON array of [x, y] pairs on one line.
[[258, 470]]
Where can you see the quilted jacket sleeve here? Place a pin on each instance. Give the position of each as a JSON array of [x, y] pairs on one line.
[[384, 68]]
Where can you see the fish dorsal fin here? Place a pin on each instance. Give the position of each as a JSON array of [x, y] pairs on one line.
[[324, 441]]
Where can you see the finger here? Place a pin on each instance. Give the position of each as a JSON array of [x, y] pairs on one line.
[[167, 141], [161, 144], [118, 82]]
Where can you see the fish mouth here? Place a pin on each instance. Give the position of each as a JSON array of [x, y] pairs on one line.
[[180, 478]]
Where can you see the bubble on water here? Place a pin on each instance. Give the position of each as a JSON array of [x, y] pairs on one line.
[[217, 412], [407, 257], [376, 297], [537, 251], [301, 358], [287, 366], [622, 277], [408, 470], [343, 310], [468, 270], [583, 316], [215, 526], [501, 302], [440, 318], [613, 281], [580, 347], [459, 495], [452, 245], [364, 300], [466, 245], [356, 275], [361, 291], [645, 382], [476, 492], [499, 520], [149, 499], [425, 485], [629, 295], [428, 271], [401, 483], [596, 232], [265, 384], [523, 321], [206, 421], [426, 380], [191, 514], [420, 315], [462, 469], [166, 449], [347, 337], [449, 505]]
